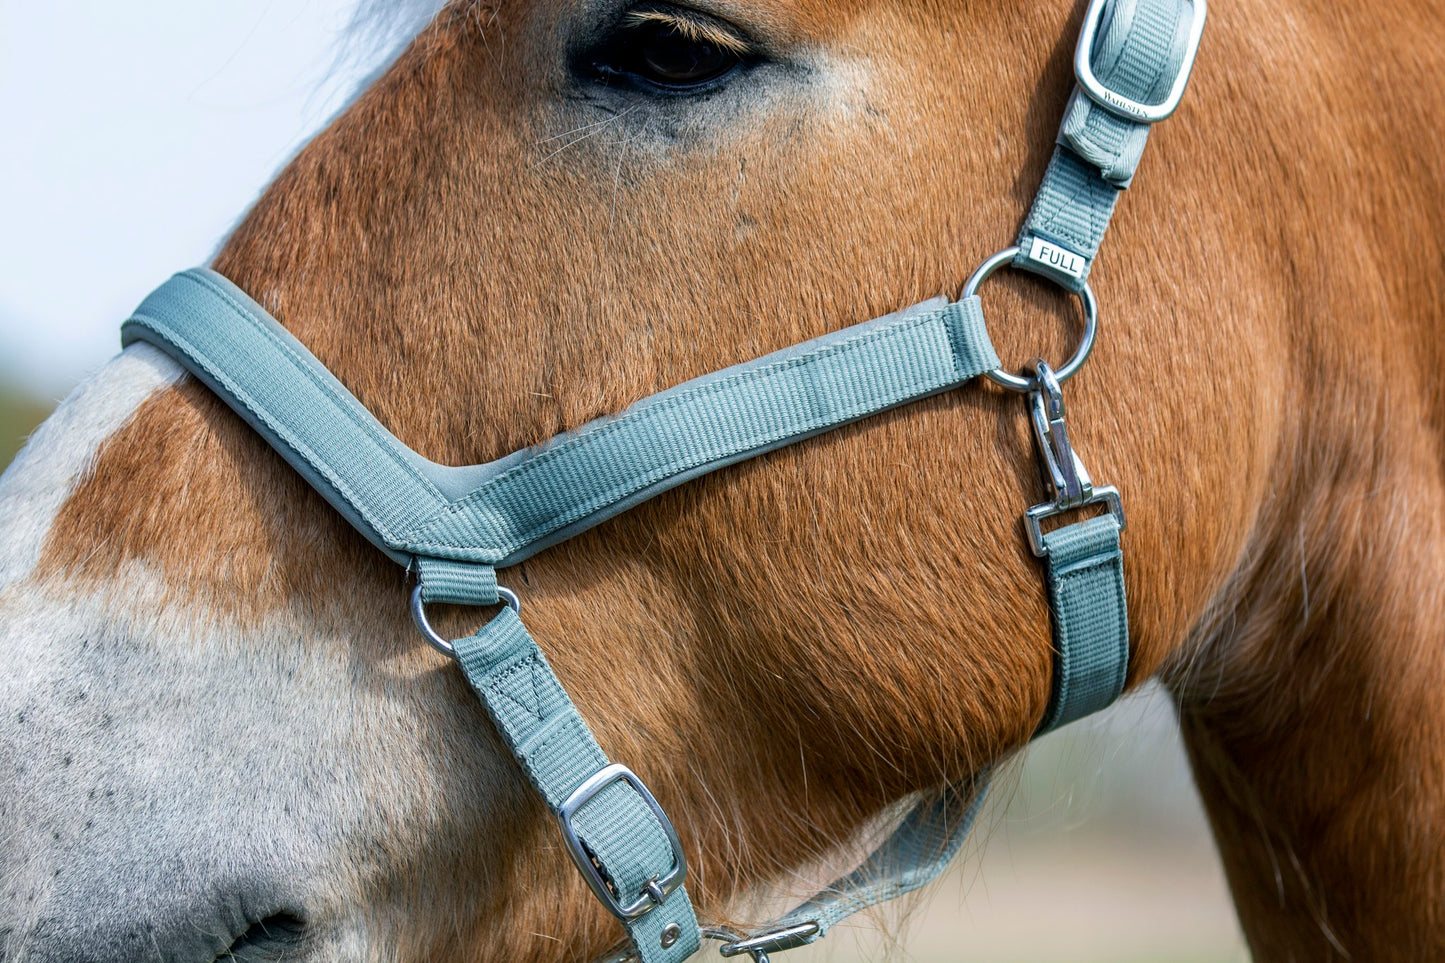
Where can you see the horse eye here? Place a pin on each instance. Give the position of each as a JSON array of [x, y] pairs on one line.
[[670, 53]]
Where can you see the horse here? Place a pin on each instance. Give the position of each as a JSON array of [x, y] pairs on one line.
[[223, 739]]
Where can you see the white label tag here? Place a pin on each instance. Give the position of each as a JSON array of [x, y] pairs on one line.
[[1060, 259]]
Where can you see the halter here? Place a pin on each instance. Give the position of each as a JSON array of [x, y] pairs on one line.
[[453, 527]]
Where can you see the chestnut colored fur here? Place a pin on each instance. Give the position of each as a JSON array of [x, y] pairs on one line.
[[486, 257]]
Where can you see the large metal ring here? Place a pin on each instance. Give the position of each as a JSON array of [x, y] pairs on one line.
[[1091, 325], [418, 615]]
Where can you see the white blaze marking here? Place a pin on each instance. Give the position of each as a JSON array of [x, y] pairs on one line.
[[42, 477]]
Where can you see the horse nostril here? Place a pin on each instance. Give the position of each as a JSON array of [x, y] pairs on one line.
[[277, 937]]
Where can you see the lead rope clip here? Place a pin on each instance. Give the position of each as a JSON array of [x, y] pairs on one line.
[[1065, 475], [761, 944]]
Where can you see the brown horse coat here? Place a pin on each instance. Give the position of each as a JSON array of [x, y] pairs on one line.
[[488, 249]]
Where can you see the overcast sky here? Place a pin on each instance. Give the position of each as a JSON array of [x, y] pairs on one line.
[[132, 136]]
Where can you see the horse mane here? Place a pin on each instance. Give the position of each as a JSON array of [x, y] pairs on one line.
[[379, 22], [378, 31]]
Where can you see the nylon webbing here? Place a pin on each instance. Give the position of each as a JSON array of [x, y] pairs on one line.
[[1138, 52], [558, 753], [460, 583], [501, 513], [1090, 619]]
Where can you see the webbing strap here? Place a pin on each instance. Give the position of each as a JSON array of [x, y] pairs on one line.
[[460, 583], [1138, 52], [913, 855], [558, 753], [1090, 619], [503, 512]]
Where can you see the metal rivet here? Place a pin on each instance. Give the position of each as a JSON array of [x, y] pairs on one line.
[[671, 933]]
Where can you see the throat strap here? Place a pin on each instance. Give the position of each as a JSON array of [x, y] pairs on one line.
[[618, 836], [1090, 617]]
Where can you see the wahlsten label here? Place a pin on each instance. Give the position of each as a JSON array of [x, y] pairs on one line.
[[1060, 259]]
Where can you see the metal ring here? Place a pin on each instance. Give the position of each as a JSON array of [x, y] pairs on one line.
[[418, 615], [1091, 325]]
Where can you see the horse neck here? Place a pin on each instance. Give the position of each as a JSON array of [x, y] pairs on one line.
[[1310, 703], [1315, 723]]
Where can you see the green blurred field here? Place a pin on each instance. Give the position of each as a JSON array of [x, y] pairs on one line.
[[1094, 849]]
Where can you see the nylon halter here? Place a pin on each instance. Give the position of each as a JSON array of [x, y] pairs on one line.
[[454, 527]]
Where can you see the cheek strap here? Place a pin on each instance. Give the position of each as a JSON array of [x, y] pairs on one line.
[[620, 839]]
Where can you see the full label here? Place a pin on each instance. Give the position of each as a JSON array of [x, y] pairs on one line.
[[1060, 259]]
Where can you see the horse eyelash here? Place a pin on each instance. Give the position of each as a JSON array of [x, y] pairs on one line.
[[693, 28]]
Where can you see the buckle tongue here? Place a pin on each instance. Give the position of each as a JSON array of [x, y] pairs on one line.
[[656, 890]]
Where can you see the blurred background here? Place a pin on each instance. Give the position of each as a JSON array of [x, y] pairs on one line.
[[1094, 849], [134, 137]]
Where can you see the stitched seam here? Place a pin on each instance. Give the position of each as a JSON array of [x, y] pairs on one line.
[[933, 319], [279, 429], [497, 682], [305, 368], [1098, 219]]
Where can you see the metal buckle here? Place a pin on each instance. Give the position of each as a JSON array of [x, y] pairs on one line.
[[1103, 495], [733, 943], [1115, 102], [656, 891], [1064, 474]]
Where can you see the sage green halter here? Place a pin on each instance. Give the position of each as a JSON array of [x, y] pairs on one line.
[[454, 527]]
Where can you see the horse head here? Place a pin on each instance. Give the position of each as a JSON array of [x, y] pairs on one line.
[[223, 733]]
